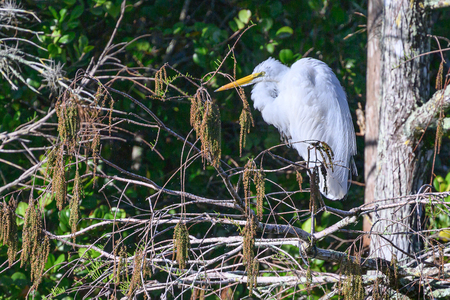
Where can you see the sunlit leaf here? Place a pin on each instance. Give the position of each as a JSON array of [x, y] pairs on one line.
[[445, 235], [286, 55], [271, 47], [284, 32], [20, 210], [306, 226], [62, 14], [244, 16], [239, 23], [53, 11], [65, 39]]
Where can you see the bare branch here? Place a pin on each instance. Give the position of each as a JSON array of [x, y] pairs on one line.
[[436, 4], [427, 114]]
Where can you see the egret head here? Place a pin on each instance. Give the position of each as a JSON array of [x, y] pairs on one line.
[[268, 70]]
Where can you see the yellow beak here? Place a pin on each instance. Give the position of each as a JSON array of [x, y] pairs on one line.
[[240, 82]]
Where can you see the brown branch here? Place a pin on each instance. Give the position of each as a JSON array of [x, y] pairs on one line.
[[427, 114]]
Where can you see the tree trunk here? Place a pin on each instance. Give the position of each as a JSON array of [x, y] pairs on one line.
[[404, 87], [373, 80]]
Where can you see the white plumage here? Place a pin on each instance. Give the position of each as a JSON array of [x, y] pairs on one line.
[[307, 104]]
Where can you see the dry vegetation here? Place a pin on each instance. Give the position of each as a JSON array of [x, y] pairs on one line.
[[179, 250]]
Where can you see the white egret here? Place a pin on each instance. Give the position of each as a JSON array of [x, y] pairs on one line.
[[307, 104]]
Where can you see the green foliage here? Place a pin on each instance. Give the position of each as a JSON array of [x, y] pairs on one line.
[[94, 269], [439, 216], [63, 30], [442, 184], [75, 32]]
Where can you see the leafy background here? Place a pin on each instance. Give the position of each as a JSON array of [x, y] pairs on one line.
[[77, 31]]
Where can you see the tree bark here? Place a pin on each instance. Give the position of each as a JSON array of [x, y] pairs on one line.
[[373, 82], [404, 87]]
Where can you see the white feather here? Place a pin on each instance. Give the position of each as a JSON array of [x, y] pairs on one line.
[[307, 104]]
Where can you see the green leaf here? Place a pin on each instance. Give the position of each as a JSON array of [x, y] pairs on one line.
[[67, 38], [20, 279], [54, 50], [70, 2], [306, 226], [17, 116], [64, 219], [45, 199], [350, 63], [53, 11], [201, 50], [99, 2], [56, 34], [18, 275], [317, 262], [239, 23], [440, 184], [90, 253], [199, 59], [325, 219], [62, 14], [109, 216], [119, 212], [178, 27], [233, 26], [447, 178], [61, 258], [112, 9], [286, 56], [21, 208], [76, 12], [284, 32], [82, 42], [72, 24], [271, 47], [33, 83], [244, 16], [266, 24], [100, 212], [143, 46], [297, 56], [56, 263], [87, 49], [82, 251], [445, 235], [50, 262]]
